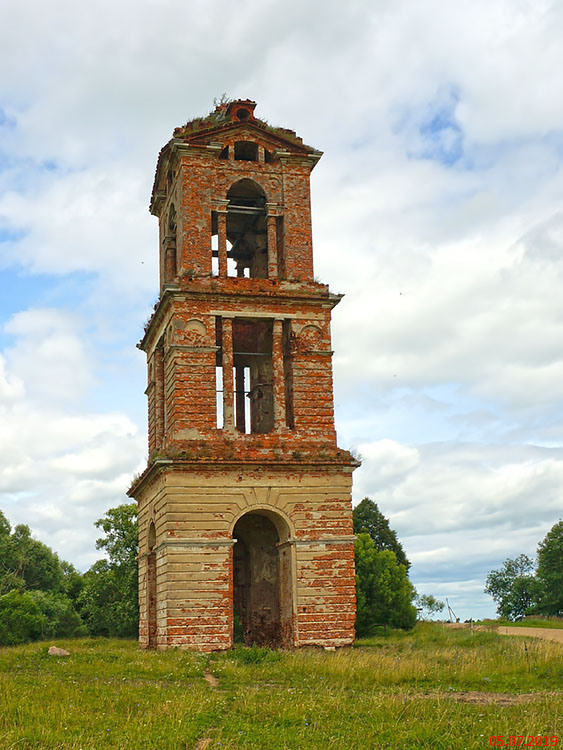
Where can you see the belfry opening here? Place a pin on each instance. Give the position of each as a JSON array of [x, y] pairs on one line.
[[245, 517]]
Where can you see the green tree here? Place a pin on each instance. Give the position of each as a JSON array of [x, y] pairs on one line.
[[60, 618], [37, 590], [35, 615], [384, 593], [369, 519], [429, 604], [5, 527], [121, 535], [38, 565], [108, 601], [72, 580], [26, 563], [9, 578], [550, 571], [21, 619], [514, 588]]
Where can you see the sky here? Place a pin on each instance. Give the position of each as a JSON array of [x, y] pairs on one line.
[[437, 211]]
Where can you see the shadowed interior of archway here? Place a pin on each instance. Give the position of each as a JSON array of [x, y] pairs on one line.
[[262, 582]]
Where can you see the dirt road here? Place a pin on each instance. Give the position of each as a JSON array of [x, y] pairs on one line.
[[549, 634]]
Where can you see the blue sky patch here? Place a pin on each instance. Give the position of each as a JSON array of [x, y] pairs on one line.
[[442, 138], [11, 235], [432, 130], [21, 291], [6, 121]]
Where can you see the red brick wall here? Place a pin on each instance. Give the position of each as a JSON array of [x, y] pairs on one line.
[[201, 478]]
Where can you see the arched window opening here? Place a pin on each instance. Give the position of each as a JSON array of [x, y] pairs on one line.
[[247, 230], [172, 221], [268, 157], [246, 151], [170, 245], [151, 537], [224, 153]]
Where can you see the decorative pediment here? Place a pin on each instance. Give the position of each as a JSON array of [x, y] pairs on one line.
[[230, 123], [273, 138], [231, 117]]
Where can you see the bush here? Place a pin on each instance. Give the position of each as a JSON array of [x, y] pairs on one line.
[[61, 619], [21, 619], [35, 615]]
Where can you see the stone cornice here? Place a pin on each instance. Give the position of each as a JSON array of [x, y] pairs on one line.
[[284, 293], [207, 464]]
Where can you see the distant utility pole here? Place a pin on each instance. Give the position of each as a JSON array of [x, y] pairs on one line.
[[451, 613]]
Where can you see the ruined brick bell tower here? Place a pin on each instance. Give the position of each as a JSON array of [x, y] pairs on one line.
[[245, 503]]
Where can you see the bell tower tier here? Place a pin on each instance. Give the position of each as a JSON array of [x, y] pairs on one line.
[[245, 519]]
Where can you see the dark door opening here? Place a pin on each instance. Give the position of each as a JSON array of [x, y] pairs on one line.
[[257, 580]]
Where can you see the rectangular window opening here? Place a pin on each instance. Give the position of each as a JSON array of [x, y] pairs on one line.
[[253, 376], [219, 396], [280, 247], [246, 151], [232, 269], [288, 374], [246, 399], [214, 255], [241, 379]]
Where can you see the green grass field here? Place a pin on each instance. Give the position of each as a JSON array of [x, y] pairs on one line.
[[431, 688]]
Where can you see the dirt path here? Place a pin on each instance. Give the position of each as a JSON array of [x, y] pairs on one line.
[[549, 634]]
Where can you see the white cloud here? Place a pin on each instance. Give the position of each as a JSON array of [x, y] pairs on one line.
[[456, 487], [482, 313], [437, 209], [11, 387], [461, 509], [62, 465], [392, 459], [49, 356], [93, 220]]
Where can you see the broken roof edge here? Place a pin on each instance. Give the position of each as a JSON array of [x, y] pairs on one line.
[[226, 117], [237, 111]]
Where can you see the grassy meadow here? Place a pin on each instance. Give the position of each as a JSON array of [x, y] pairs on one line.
[[430, 688]]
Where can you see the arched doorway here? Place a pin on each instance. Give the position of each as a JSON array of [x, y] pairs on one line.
[[262, 579]]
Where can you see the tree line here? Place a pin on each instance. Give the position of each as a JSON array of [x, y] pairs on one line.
[[42, 596], [524, 586]]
